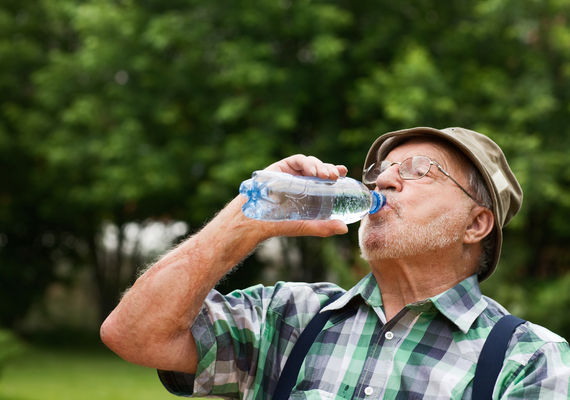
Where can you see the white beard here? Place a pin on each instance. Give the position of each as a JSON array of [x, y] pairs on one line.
[[384, 238]]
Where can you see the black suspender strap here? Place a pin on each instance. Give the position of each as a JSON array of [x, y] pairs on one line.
[[288, 376], [492, 357], [487, 371]]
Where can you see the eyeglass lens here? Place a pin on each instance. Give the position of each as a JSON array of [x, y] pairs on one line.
[[411, 168]]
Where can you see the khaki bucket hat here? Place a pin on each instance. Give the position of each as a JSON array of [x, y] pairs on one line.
[[489, 159]]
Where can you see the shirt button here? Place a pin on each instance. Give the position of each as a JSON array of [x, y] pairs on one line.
[[389, 335], [368, 391]]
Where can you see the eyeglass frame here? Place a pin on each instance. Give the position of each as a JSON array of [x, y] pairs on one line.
[[412, 178]]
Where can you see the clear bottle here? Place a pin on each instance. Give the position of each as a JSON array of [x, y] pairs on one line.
[[277, 196]]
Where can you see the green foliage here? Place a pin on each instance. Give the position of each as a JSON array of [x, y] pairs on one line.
[[27, 239], [119, 111], [10, 347], [554, 296]]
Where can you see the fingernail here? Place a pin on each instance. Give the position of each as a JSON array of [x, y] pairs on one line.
[[314, 171]]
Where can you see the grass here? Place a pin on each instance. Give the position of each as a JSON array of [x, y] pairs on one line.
[[78, 374]]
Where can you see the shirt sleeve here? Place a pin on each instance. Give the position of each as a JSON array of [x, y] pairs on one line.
[[543, 374], [244, 338]]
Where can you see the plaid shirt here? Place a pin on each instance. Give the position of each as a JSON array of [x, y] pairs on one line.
[[428, 351]]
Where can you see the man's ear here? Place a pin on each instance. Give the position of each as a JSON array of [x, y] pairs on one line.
[[481, 225]]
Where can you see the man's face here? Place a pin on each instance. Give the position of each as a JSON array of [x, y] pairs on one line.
[[421, 215]]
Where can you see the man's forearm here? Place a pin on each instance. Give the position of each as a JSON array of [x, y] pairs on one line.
[[151, 324]]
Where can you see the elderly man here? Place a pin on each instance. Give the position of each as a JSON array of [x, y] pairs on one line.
[[413, 328]]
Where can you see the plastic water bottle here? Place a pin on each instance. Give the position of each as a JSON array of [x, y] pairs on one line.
[[277, 196]]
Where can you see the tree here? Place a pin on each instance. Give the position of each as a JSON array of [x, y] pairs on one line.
[[145, 109], [26, 239]]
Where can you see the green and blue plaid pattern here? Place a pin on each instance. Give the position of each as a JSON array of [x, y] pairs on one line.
[[428, 351]]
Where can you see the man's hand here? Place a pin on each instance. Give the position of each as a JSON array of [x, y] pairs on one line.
[[306, 166]]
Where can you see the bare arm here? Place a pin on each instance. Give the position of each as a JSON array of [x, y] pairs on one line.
[[151, 324]]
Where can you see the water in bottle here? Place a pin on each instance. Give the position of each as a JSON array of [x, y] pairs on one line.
[[277, 196]]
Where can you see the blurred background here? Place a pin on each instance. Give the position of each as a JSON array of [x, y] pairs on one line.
[[126, 124]]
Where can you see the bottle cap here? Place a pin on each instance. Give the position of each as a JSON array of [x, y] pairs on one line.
[[378, 201]]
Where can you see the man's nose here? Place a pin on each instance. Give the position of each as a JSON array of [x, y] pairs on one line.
[[390, 178]]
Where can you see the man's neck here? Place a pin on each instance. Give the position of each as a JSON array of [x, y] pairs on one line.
[[406, 281]]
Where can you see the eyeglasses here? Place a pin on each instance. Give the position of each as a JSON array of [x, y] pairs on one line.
[[411, 168]]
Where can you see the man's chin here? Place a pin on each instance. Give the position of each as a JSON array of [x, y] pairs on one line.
[[372, 243], [372, 253]]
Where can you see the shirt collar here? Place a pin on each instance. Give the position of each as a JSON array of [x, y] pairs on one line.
[[461, 304], [367, 288]]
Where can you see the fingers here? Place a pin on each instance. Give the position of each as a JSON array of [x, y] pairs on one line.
[[306, 228], [309, 166]]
